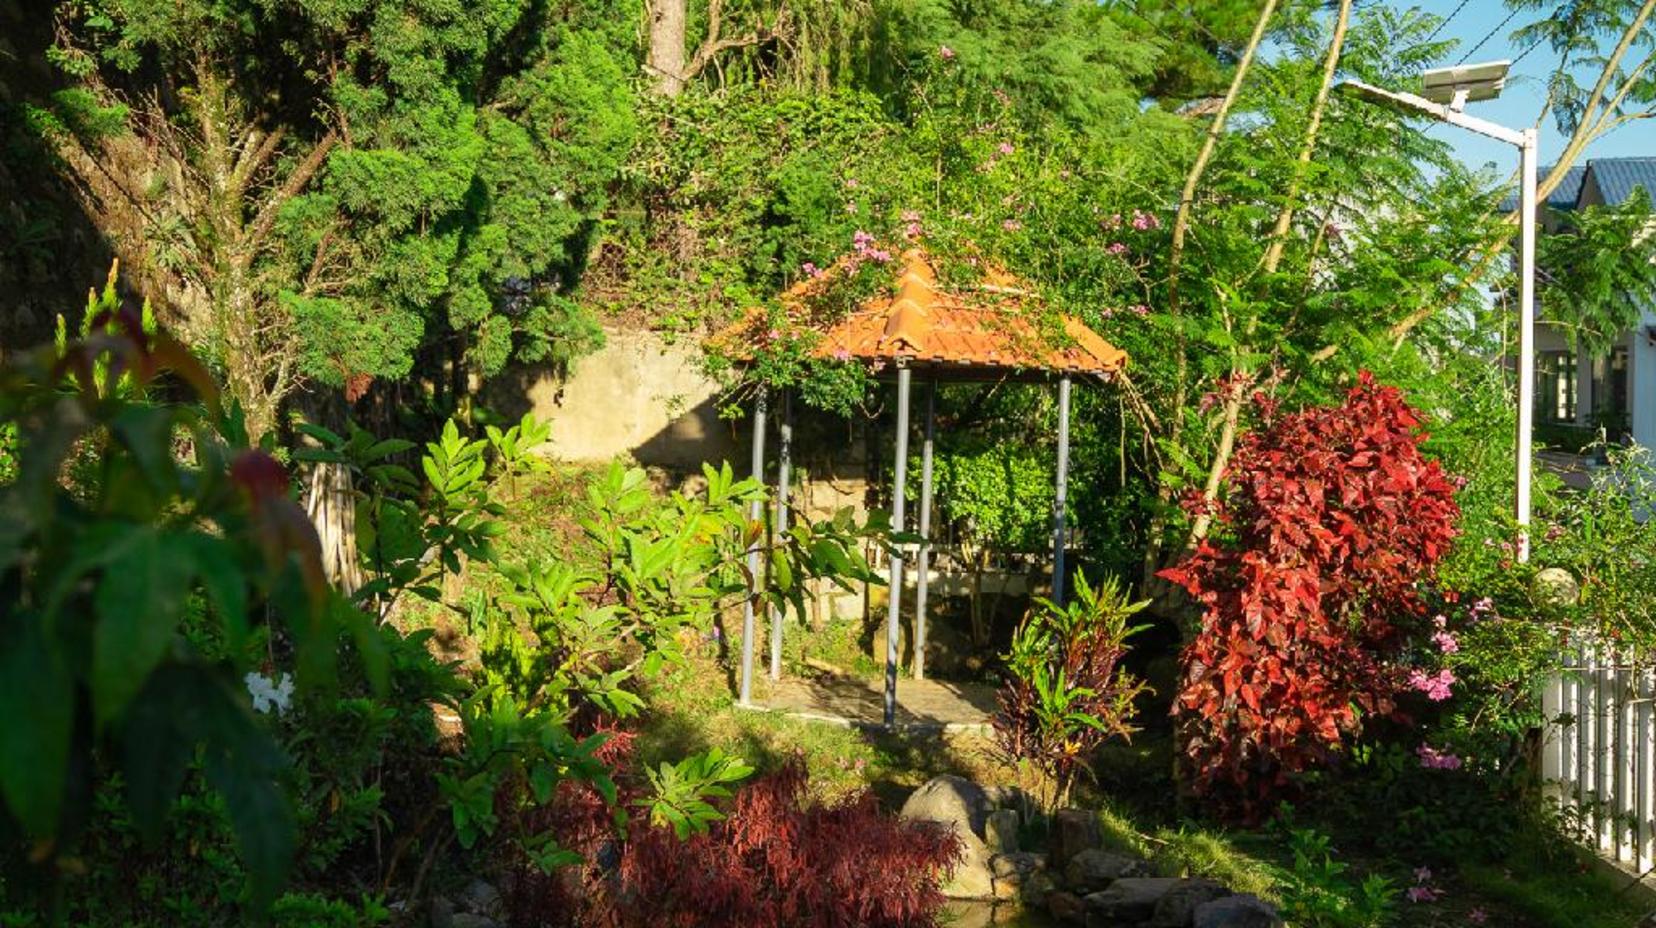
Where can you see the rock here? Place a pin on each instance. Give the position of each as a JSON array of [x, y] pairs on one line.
[[1556, 586], [1243, 911], [474, 920], [1000, 831], [1009, 797], [953, 801], [1066, 907], [1093, 870], [961, 806], [1036, 888], [1129, 900], [972, 878], [480, 898], [1012, 872], [1073, 831], [1177, 909], [441, 913]]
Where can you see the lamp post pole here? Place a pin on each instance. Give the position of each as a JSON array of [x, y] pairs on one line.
[[1527, 143]]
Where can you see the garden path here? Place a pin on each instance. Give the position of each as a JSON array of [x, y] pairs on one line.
[[855, 702]]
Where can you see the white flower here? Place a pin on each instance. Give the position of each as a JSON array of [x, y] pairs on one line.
[[268, 693]]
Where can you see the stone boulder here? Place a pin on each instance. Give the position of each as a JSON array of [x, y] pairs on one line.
[[1178, 908], [961, 806], [1066, 907], [1128, 901], [1243, 911], [1092, 870], [1072, 831], [1013, 872], [953, 801], [1000, 831]]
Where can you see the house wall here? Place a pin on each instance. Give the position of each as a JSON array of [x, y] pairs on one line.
[[1641, 388]]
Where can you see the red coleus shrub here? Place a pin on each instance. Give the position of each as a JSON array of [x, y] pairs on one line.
[[776, 860], [1331, 521]]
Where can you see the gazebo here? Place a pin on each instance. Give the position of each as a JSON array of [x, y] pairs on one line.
[[986, 332]]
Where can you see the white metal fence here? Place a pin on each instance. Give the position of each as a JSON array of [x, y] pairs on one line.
[[1602, 758]]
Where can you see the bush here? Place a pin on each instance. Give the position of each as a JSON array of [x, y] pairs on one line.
[[1331, 522], [776, 860], [1065, 692]]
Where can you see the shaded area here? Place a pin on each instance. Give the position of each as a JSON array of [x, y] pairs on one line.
[[922, 705]]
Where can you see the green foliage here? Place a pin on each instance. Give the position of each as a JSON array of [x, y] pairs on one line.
[[1598, 271], [998, 495], [130, 637], [681, 791], [1066, 692], [1318, 893]]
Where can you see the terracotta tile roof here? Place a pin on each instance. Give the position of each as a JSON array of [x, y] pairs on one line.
[[991, 326]]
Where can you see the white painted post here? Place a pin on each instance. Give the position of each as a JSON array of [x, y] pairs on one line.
[[755, 513], [895, 599], [923, 560], [784, 462], [1059, 537], [1526, 336]]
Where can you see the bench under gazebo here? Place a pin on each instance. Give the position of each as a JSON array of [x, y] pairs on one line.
[[994, 330]]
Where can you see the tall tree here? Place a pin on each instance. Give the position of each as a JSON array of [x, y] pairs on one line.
[[319, 194]]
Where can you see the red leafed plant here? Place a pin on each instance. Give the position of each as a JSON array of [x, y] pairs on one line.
[[1331, 521], [776, 860]]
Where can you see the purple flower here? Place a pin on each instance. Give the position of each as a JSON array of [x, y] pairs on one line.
[[945, 52], [1141, 221], [1423, 874], [1433, 759], [1116, 248], [1477, 916], [1422, 894]]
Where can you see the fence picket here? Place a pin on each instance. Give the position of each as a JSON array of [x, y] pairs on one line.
[[1599, 752]]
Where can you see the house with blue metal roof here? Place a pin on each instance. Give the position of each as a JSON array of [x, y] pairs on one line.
[[1614, 390]]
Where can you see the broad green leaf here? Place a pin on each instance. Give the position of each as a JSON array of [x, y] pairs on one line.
[[139, 604], [37, 700]]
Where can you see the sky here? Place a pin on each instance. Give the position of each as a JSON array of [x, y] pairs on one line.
[[1525, 90]]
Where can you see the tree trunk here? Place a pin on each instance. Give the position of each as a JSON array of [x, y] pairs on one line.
[[331, 506], [1238, 389], [665, 57], [1154, 586]]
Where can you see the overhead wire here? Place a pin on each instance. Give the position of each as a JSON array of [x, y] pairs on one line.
[[1487, 36]]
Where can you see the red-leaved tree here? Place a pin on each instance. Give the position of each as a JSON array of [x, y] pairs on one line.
[[1331, 522]]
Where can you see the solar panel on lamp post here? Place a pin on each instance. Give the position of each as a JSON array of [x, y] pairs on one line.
[[1444, 95]]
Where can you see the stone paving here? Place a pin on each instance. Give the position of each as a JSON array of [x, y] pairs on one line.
[[922, 705]]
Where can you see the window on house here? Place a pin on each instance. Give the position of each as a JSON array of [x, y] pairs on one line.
[[1616, 410], [1555, 395]]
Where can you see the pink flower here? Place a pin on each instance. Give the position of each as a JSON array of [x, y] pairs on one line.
[[773, 335], [1005, 148], [1423, 874], [1477, 916], [1440, 620], [1554, 531], [1143, 221], [810, 270], [911, 215], [1116, 248], [1422, 894], [1482, 606], [879, 254], [1064, 174], [851, 207], [945, 52], [842, 354], [1011, 225], [860, 240], [852, 183], [1436, 687], [1114, 222], [912, 230], [1139, 309], [1433, 759], [1446, 642]]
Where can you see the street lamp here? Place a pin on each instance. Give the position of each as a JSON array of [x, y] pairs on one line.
[[1444, 95]]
